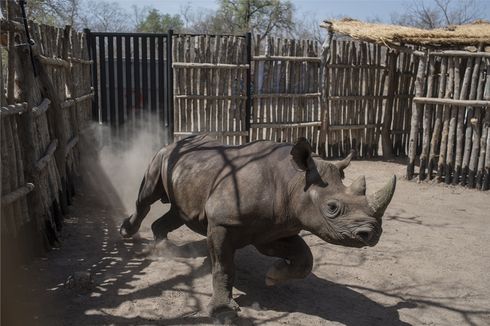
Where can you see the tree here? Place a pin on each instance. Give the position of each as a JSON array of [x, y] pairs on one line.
[[439, 13], [102, 16], [257, 16], [155, 22], [54, 12]]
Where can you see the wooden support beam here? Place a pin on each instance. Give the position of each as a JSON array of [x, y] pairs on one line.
[[456, 53], [211, 133], [210, 65], [80, 61], [286, 125], [285, 58], [13, 109], [210, 97], [72, 101], [73, 141], [53, 61], [447, 101], [43, 161], [17, 194], [41, 108], [286, 95]]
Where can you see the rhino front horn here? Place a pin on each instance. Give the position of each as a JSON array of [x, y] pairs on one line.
[[380, 200]]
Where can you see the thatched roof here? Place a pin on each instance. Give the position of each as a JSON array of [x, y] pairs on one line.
[[458, 35]]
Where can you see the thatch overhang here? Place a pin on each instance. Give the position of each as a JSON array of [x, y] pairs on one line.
[[474, 34]]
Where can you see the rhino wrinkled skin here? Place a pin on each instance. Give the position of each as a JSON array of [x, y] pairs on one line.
[[261, 193]]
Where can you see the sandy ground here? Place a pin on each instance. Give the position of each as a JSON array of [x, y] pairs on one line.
[[431, 267]]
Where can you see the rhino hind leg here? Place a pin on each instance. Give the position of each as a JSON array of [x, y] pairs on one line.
[[151, 190], [164, 225], [296, 259]]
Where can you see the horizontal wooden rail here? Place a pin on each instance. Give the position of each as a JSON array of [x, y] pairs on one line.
[[286, 95], [210, 97], [212, 133], [17, 194], [353, 127], [210, 65], [41, 108], [53, 61], [72, 101], [13, 109], [10, 25], [43, 161], [366, 97], [285, 58], [448, 101], [286, 125], [353, 66], [459, 53], [80, 61], [73, 141]]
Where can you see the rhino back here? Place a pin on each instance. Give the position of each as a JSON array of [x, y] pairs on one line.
[[232, 185]]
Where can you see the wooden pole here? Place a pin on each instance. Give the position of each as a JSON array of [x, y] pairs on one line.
[[387, 118], [414, 125], [324, 109], [460, 123], [469, 125], [427, 121], [441, 164], [436, 133]]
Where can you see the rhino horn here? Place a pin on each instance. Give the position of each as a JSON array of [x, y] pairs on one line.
[[358, 187], [345, 162], [380, 200]]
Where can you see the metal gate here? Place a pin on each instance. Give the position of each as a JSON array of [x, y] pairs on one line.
[[132, 77]]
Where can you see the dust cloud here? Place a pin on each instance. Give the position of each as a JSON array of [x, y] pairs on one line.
[[115, 160]]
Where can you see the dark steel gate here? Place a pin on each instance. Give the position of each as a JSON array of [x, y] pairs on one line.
[[132, 77]]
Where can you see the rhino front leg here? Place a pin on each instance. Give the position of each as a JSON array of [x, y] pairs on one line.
[[222, 252], [296, 262]]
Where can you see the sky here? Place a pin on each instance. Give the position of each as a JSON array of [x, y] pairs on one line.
[[318, 9]]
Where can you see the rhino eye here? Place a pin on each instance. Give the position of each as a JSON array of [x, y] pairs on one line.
[[332, 209]]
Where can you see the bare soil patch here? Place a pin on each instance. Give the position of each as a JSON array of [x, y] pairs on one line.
[[431, 267]]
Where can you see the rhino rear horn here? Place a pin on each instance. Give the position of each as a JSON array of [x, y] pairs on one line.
[[341, 165], [380, 200]]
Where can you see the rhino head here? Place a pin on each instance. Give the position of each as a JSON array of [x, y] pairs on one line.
[[327, 208]]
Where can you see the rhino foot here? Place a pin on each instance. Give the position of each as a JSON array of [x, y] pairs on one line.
[[223, 310], [128, 229]]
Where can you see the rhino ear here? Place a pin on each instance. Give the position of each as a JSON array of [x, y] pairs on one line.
[[301, 153]]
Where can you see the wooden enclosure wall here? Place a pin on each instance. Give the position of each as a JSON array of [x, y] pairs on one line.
[[368, 95], [210, 86], [286, 90], [450, 138], [46, 104]]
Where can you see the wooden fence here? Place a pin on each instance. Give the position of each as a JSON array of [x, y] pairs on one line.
[[450, 125], [211, 74], [286, 90], [368, 97], [46, 104]]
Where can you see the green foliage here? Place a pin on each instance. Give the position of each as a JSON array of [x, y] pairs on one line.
[[257, 16], [155, 22]]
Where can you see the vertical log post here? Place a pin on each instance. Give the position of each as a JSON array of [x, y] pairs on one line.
[[387, 144], [325, 59], [427, 121], [414, 125]]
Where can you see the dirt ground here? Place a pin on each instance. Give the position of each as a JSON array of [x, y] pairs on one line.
[[431, 267]]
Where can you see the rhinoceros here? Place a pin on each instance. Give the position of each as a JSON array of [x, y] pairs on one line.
[[262, 194]]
